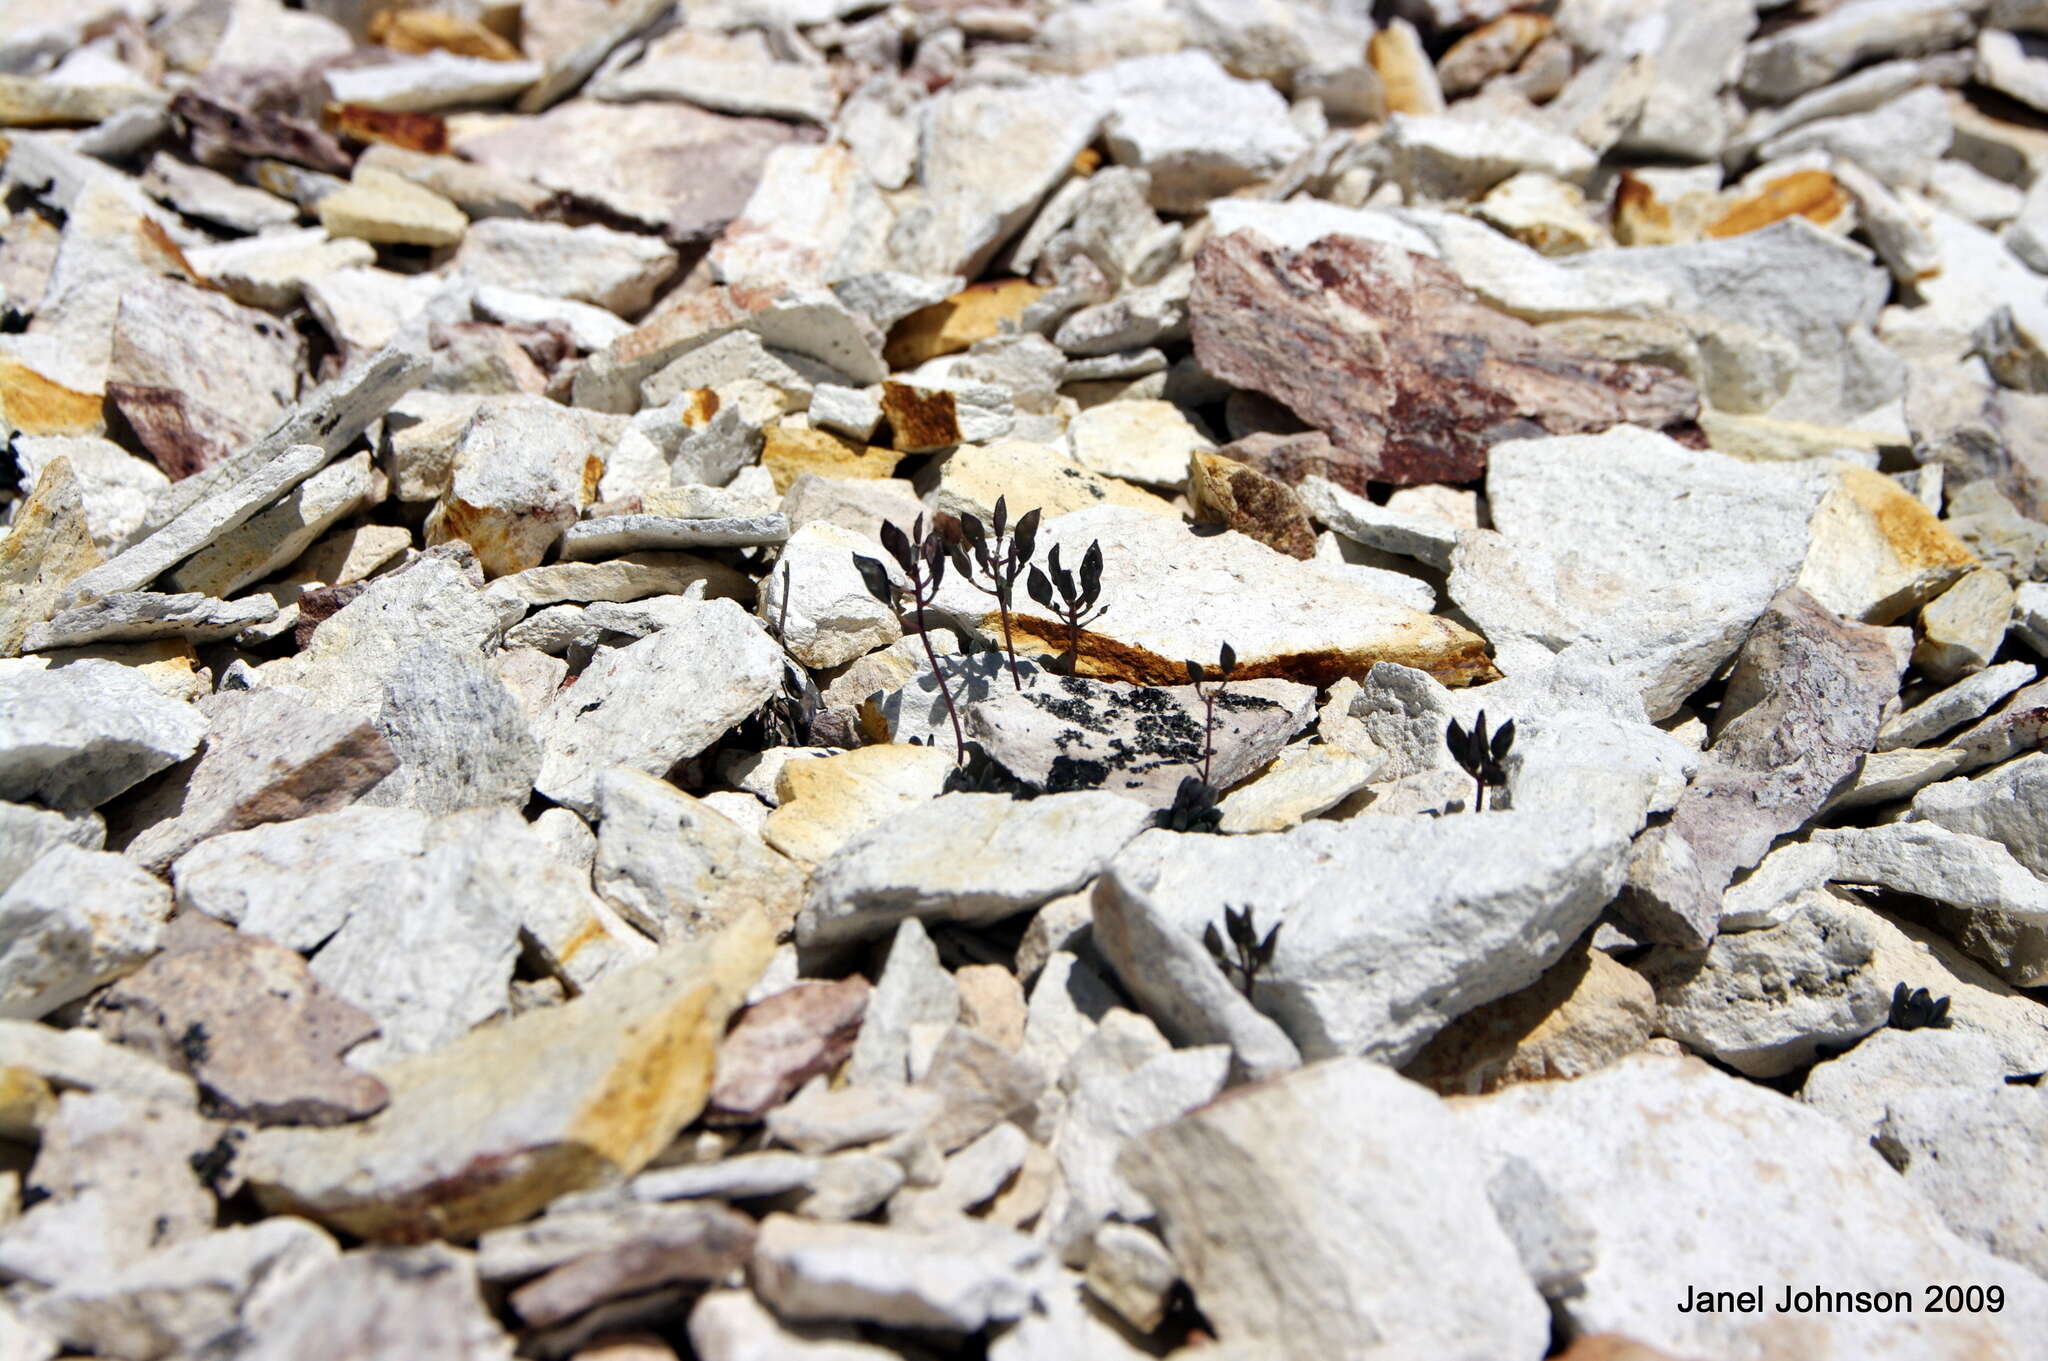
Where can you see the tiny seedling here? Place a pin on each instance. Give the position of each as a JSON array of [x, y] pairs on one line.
[[1481, 757], [1245, 954], [1194, 808], [1917, 1009], [1226, 663], [1074, 602], [1001, 558], [923, 560]]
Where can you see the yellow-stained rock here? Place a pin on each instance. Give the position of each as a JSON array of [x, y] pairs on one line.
[[1766, 439], [953, 324], [49, 546], [1877, 552], [1029, 475], [789, 453], [1811, 194], [389, 209], [426, 30], [1226, 492], [36, 405], [489, 1129], [1396, 54], [1584, 1013], [827, 802], [26, 1101]]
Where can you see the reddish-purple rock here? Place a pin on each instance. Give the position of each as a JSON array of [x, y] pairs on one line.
[[782, 1042], [1410, 375]]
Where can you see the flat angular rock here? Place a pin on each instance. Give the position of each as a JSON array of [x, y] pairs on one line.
[[816, 602], [49, 546], [822, 804], [120, 1185], [1877, 553], [615, 270], [652, 703], [914, 990], [1856, 1087], [492, 1128], [1764, 1002], [197, 375], [271, 271], [1177, 982], [676, 868], [274, 538], [689, 172], [931, 415], [971, 477], [781, 1042], [987, 155], [75, 736], [1294, 1256], [1346, 891], [1224, 491], [1961, 628], [418, 1300], [1283, 322], [731, 1325], [1603, 1146], [730, 74], [1967, 1152], [1162, 591], [2002, 805], [1425, 538], [1989, 903], [614, 535], [1068, 732], [524, 468], [71, 921], [1539, 588], [116, 485], [911, 865], [429, 81], [270, 757], [1139, 441], [1443, 158], [252, 1026], [954, 1279], [139, 616], [187, 1296], [1584, 1013], [695, 1243], [1194, 129], [1801, 710], [1796, 59]]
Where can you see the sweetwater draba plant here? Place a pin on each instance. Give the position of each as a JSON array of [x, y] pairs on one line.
[[1226, 663], [1246, 954], [1194, 808], [1001, 558], [923, 560], [1917, 1009], [1480, 756], [1076, 602]]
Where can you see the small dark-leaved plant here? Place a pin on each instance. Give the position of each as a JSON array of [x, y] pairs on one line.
[[923, 560], [1480, 755], [1000, 558], [1246, 954], [1073, 602], [1226, 663], [1194, 808], [1917, 1009]]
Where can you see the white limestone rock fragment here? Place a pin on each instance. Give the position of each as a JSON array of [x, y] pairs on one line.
[[74, 736], [652, 703], [954, 1279], [914, 990], [1520, 886], [1140, 441], [275, 537], [1025, 853], [1195, 129], [618, 271], [459, 734], [731, 1325], [1895, 143], [71, 921], [1777, 1189], [1805, 55], [140, 616], [1427, 539], [1961, 629], [1856, 1087], [1306, 1212], [1447, 159], [1776, 889], [816, 602], [676, 868], [1965, 701], [1971, 1154], [429, 81]]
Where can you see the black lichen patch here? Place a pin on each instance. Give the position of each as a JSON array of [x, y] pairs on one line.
[[1069, 774]]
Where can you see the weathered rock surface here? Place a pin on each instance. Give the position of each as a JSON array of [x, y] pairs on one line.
[[71, 921], [75, 736], [1434, 379]]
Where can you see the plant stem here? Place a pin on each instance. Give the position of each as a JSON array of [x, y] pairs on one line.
[[945, 690], [1479, 794], [1208, 730], [1009, 644]]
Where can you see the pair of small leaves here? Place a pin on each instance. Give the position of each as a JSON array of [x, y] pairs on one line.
[[1226, 662], [1194, 808], [1481, 756], [1917, 1009], [1246, 955], [987, 548], [921, 556], [1076, 600]]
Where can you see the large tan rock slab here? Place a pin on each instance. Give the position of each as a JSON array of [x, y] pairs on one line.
[[49, 546], [487, 1130], [1170, 593]]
